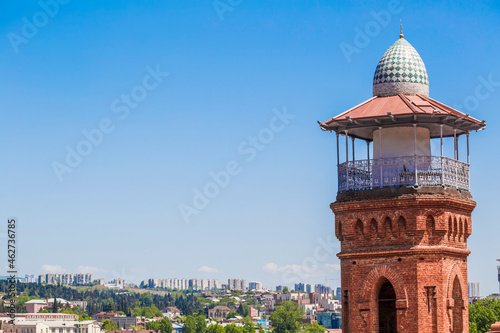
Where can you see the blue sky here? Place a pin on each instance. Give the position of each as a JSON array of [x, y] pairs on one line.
[[231, 70]]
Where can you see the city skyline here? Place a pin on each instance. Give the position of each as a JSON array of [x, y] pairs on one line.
[[180, 139]]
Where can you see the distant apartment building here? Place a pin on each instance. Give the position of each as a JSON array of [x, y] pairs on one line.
[[116, 283], [204, 284], [183, 284], [219, 312], [5, 317], [50, 317], [65, 326], [498, 268], [42, 279], [236, 284], [66, 278], [330, 320], [280, 288], [30, 278], [319, 288], [338, 293], [100, 282], [254, 285], [474, 292], [300, 287]]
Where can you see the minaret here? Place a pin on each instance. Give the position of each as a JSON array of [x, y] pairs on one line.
[[403, 213]]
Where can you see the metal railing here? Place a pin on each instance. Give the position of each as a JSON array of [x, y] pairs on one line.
[[403, 171]]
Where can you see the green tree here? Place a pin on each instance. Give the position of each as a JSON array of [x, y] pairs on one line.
[[285, 318], [482, 314], [201, 324], [232, 328], [249, 327], [315, 328], [54, 306], [244, 310], [107, 325], [166, 325], [153, 325], [189, 325], [216, 329], [137, 312], [285, 289], [231, 314], [84, 317]]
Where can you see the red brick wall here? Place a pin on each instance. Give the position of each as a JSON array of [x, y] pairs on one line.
[[419, 243]]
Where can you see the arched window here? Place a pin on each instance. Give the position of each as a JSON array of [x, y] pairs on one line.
[[359, 228], [387, 308], [455, 228], [458, 305], [450, 228], [373, 228], [430, 225], [387, 227], [401, 226]]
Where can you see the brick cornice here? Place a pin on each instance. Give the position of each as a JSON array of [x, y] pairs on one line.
[[417, 250], [421, 201]]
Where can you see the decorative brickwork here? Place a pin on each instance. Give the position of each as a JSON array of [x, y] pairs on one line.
[[404, 259]]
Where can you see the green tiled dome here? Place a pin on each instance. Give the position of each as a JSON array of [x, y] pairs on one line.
[[401, 70]]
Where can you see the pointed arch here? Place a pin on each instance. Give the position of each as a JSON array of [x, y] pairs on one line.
[[373, 228], [387, 229], [359, 229], [430, 224], [401, 226], [376, 277], [450, 228]]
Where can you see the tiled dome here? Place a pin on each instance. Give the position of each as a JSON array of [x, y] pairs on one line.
[[401, 70]]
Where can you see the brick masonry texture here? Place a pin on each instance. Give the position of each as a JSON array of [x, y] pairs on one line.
[[417, 241]]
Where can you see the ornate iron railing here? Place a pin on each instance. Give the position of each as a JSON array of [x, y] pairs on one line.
[[403, 171]]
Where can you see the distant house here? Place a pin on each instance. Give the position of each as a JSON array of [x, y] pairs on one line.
[[123, 322], [253, 312], [103, 315], [36, 305], [219, 312], [171, 312]]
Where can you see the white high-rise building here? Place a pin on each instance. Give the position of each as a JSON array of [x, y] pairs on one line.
[[474, 290], [30, 278], [254, 285], [237, 284]]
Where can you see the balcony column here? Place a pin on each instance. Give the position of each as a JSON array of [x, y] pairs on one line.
[[455, 140], [380, 154], [441, 128], [468, 156], [353, 153], [442, 169], [347, 158], [456, 156], [368, 160], [338, 156], [415, 152], [346, 145]]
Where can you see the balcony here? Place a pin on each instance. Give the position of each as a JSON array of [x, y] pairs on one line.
[[402, 172]]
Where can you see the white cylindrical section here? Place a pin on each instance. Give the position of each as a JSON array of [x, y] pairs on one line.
[[400, 141]]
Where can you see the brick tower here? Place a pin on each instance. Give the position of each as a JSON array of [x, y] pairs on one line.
[[403, 212]]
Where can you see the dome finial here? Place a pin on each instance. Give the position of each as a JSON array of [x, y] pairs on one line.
[[401, 29]]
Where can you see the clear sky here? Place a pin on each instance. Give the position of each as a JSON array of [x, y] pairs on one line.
[[172, 93]]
